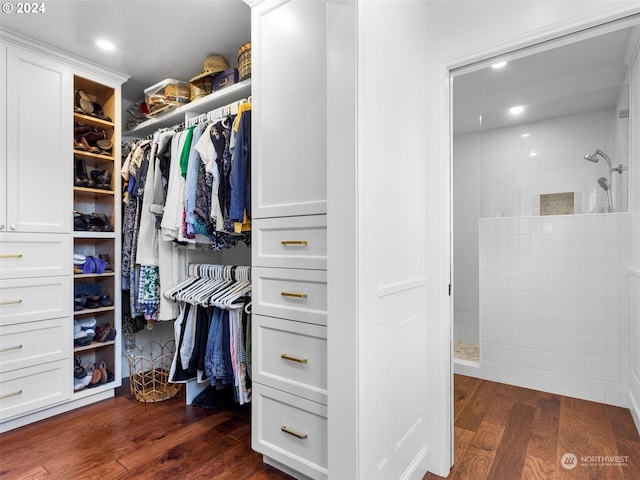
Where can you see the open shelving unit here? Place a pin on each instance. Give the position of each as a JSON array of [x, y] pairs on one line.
[[88, 200]]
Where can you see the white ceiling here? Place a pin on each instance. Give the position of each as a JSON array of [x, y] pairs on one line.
[[582, 76], [155, 39]]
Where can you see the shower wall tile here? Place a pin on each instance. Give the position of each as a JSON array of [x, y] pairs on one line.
[[495, 175], [557, 320]]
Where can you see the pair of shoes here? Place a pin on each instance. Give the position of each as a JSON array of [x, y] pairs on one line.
[[90, 302], [86, 288], [211, 398], [105, 334], [78, 370], [105, 257], [94, 222], [81, 178], [93, 370], [93, 265], [102, 178]]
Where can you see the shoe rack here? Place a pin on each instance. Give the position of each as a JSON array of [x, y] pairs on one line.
[[96, 238]]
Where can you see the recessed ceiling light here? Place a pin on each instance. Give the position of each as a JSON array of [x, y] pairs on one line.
[[498, 65], [525, 135], [533, 153], [105, 45], [516, 110]]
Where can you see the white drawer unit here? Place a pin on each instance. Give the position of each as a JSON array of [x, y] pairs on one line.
[[292, 294], [291, 356], [291, 242], [34, 343], [25, 255], [29, 389], [33, 299], [290, 430]]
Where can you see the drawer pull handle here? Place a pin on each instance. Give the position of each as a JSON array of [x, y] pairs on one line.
[[293, 294], [11, 255], [14, 394], [301, 436], [11, 302], [294, 242], [8, 349], [284, 356]]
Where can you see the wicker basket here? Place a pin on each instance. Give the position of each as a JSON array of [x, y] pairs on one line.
[[244, 61], [149, 372]]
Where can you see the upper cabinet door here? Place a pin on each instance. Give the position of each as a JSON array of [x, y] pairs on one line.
[[289, 173], [39, 131]]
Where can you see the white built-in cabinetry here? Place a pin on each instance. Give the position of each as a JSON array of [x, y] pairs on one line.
[[289, 246], [36, 231]]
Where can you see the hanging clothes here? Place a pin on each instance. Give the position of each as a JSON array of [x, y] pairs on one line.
[[210, 331]]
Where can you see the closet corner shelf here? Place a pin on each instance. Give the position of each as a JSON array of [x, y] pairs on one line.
[[93, 275], [88, 119], [202, 105], [86, 392], [95, 191], [84, 234], [88, 311], [97, 156], [93, 346]]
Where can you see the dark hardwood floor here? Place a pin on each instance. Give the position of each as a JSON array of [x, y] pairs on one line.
[[121, 438], [502, 432]]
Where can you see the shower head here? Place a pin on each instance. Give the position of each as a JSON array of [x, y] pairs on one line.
[[593, 157], [604, 183]]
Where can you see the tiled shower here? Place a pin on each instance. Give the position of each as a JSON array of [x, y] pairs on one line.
[[545, 298]]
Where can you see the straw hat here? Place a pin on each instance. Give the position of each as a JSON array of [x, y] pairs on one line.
[[212, 64]]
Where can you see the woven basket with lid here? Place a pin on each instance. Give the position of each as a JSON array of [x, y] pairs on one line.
[[244, 61]]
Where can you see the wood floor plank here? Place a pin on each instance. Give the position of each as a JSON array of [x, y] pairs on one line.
[[509, 460], [480, 454], [543, 444], [602, 443], [465, 387], [538, 469], [475, 409]]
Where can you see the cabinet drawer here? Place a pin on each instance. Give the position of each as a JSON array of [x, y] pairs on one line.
[[291, 242], [291, 356], [34, 343], [35, 255], [291, 430], [33, 299], [33, 388], [292, 294]]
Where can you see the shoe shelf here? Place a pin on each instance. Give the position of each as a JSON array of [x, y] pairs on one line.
[[88, 311], [94, 131], [92, 121], [94, 156], [93, 235], [93, 275], [93, 346], [93, 191]]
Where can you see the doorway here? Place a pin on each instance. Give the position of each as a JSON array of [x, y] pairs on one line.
[[540, 194]]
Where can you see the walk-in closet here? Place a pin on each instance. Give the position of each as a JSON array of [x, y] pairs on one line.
[[226, 244]]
